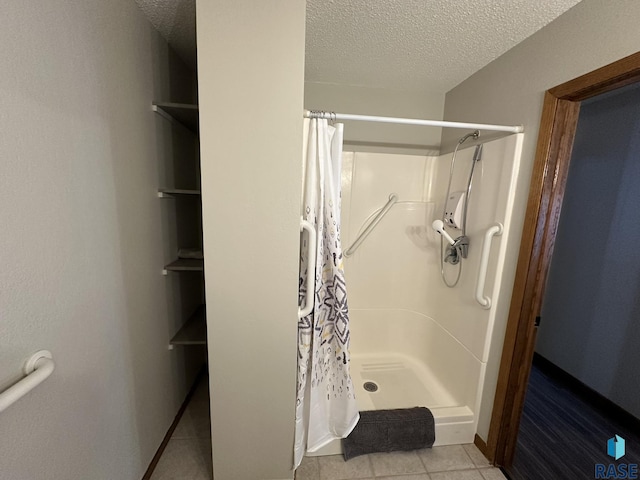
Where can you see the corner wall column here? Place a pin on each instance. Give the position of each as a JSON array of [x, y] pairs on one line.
[[251, 83]]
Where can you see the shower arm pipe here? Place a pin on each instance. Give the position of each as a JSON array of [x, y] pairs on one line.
[[412, 121], [37, 369], [393, 199], [484, 301]]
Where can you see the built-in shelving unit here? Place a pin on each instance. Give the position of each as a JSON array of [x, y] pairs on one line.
[[194, 330], [182, 113]]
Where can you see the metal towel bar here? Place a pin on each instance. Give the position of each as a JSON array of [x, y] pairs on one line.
[[393, 198]]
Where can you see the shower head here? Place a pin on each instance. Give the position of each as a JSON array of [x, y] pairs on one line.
[[477, 154], [475, 134]]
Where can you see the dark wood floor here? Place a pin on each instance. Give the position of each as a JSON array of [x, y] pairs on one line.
[[563, 436]]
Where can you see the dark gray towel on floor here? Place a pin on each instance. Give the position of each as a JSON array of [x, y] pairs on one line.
[[390, 430]]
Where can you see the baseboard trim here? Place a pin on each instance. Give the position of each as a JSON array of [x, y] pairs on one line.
[[586, 393], [482, 446], [174, 424]]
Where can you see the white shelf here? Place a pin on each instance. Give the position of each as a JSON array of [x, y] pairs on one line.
[[172, 192], [182, 113], [194, 330], [184, 265]]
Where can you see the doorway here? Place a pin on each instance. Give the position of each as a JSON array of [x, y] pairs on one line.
[[583, 384], [555, 142]]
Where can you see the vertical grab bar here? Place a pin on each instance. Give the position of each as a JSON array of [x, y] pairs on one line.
[[37, 369], [485, 302], [311, 271]]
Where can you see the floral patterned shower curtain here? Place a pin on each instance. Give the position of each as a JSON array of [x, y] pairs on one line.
[[325, 405]]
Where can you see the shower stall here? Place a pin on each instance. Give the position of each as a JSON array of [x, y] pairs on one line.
[[415, 341]]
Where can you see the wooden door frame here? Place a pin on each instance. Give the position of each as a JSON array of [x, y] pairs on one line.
[[555, 141]]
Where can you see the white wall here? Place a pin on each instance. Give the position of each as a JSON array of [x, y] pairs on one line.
[[83, 240], [591, 303], [510, 91], [251, 75], [381, 137]]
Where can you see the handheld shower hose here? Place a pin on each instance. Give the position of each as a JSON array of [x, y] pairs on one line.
[[475, 134]]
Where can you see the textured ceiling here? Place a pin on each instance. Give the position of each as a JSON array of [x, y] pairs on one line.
[[176, 22], [416, 44], [399, 44]]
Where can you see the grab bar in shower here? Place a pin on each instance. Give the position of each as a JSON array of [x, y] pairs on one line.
[[393, 198], [311, 270], [37, 369], [484, 301]]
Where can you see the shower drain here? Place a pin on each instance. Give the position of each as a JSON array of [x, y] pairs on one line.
[[370, 386]]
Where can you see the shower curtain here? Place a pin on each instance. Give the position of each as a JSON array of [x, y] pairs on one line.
[[325, 405]]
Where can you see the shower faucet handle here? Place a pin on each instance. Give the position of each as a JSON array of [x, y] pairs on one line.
[[452, 256], [462, 245], [438, 226]]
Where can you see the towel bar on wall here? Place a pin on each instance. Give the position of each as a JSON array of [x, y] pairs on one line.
[[37, 369]]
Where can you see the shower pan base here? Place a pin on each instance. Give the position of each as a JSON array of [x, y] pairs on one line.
[[403, 382]]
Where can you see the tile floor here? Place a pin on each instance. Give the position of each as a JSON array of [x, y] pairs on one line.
[[454, 462], [188, 457], [188, 453]]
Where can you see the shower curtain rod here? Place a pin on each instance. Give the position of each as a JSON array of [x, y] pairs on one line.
[[412, 121]]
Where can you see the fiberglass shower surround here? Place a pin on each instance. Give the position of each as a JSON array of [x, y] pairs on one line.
[[413, 341]]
